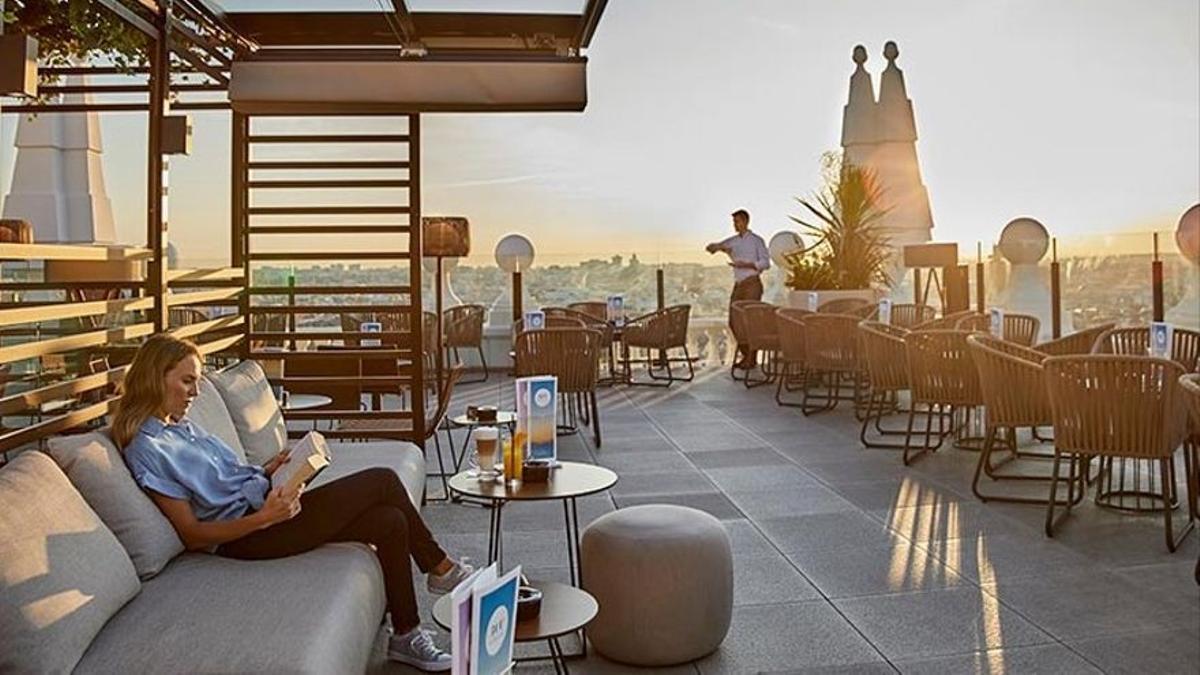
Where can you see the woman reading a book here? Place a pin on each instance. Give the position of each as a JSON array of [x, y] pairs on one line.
[[217, 502]]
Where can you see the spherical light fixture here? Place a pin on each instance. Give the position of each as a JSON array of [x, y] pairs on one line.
[[514, 253], [1187, 235], [1024, 241], [781, 244]]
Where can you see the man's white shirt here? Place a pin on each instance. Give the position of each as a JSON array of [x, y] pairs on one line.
[[747, 247]]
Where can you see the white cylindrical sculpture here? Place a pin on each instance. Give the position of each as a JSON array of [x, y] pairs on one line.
[[1024, 243], [781, 244], [514, 253], [1186, 313]]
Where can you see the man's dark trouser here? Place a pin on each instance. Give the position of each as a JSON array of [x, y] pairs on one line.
[[370, 506], [746, 289]]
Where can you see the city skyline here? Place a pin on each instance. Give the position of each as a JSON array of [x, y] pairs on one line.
[[682, 128]]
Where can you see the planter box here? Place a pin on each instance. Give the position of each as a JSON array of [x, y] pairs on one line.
[[800, 298]]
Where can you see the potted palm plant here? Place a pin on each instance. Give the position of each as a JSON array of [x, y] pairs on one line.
[[851, 256]]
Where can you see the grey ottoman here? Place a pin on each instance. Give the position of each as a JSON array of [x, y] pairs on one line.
[[663, 576]]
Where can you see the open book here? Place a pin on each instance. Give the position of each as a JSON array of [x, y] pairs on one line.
[[309, 457]]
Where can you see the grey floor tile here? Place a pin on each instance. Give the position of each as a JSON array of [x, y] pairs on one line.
[[1169, 652], [873, 668], [1037, 659], [747, 478], [828, 531], [874, 570], [756, 642], [747, 541], [947, 520], [903, 492], [649, 444], [713, 503], [997, 558], [938, 623], [1173, 585], [673, 482], [776, 502], [629, 463], [856, 469], [724, 459], [1080, 604], [769, 580]]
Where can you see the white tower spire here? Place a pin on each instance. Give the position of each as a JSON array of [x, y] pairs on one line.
[[58, 179]]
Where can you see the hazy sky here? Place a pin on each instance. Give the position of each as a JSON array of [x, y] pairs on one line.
[[1082, 113]]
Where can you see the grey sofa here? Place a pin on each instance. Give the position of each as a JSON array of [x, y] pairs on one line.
[[94, 579]]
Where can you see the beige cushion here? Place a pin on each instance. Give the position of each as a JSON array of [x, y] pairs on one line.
[[663, 577], [62, 572], [254, 410], [98, 472], [210, 413]]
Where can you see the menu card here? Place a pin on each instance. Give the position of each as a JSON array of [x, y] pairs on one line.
[[1162, 338], [996, 322], [537, 418]]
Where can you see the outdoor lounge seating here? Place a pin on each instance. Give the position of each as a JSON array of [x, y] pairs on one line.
[[657, 334], [1079, 342], [1021, 329], [1113, 406], [908, 315], [789, 326], [944, 383], [884, 355], [463, 329], [844, 306], [151, 607], [760, 336], [570, 354], [831, 358]]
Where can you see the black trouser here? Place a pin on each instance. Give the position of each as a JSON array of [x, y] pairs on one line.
[[746, 289], [371, 507]]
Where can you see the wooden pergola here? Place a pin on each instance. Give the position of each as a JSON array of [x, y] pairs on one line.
[[260, 66]]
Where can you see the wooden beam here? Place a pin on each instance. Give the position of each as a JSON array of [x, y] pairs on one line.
[[27, 400], [49, 427], [132, 18], [72, 342], [215, 274], [404, 22], [13, 317], [201, 297], [588, 23], [220, 345], [72, 252], [202, 327]]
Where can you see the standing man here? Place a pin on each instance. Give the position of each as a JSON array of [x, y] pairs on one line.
[[749, 258]]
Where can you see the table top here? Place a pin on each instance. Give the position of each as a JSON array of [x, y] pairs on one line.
[[305, 401], [565, 609], [503, 417], [570, 479]]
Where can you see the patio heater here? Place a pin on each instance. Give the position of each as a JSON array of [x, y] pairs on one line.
[[514, 253], [443, 237]]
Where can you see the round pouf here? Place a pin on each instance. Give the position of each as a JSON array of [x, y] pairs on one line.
[[663, 577]]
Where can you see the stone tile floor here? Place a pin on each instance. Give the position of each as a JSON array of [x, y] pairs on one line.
[[847, 561]]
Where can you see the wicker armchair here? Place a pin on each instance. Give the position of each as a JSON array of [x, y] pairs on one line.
[[760, 335], [597, 309], [661, 332], [737, 325], [907, 315], [1119, 406], [596, 323], [944, 379], [885, 359], [268, 323], [396, 428], [462, 328], [844, 306], [789, 325], [570, 354], [831, 355], [1079, 342], [185, 316], [1191, 388], [1135, 341], [1013, 385], [1021, 329]]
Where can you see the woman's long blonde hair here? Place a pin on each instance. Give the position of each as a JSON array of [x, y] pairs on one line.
[[142, 391]]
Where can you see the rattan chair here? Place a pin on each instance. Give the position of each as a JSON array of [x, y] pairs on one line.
[[844, 306], [943, 378], [590, 320], [760, 335], [1079, 342], [1190, 385], [401, 429], [657, 334], [1021, 329], [737, 325], [1113, 406], [185, 316], [1135, 341], [1014, 392], [908, 315], [789, 325], [462, 328], [885, 360], [831, 357], [597, 309], [569, 354]]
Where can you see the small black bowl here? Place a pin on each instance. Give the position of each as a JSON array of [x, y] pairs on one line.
[[529, 603]]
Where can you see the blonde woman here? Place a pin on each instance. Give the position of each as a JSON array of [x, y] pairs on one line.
[[216, 502]]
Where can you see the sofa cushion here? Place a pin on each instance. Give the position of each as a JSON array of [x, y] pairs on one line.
[[62, 572], [402, 457], [98, 471], [254, 410], [210, 413], [318, 612]]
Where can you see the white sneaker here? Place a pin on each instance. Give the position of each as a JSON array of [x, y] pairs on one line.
[[441, 584], [416, 648]]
